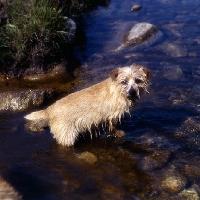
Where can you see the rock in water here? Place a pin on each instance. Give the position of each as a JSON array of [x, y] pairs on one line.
[[139, 33], [189, 194], [24, 99], [174, 183], [69, 29], [136, 8], [194, 95], [88, 157]]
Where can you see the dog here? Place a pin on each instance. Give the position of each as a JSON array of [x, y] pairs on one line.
[[103, 103]]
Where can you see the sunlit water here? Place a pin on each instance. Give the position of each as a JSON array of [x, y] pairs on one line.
[[165, 122]]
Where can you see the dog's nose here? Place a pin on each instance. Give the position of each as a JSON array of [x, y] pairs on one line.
[[134, 93]]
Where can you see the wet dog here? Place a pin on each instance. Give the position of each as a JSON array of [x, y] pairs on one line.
[[103, 103]]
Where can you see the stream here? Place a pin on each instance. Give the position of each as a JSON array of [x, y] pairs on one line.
[[159, 157]]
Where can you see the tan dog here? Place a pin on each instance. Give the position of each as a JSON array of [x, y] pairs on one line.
[[105, 102]]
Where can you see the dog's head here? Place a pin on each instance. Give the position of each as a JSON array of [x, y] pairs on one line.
[[131, 80]]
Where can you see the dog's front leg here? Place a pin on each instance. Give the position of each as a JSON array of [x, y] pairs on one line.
[[115, 131]]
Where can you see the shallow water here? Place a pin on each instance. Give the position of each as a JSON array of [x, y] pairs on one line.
[[162, 133]]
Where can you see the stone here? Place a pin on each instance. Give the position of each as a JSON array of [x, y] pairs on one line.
[[192, 169], [188, 132], [196, 73], [189, 194], [197, 40], [24, 99], [88, 157], [56, 72], [173, 182], [172, 73], [190, 126], [139, 33], [174, 50], [192, 54], [194, 95], [69, 29], [136, 8], [173, 26], [155, 160]]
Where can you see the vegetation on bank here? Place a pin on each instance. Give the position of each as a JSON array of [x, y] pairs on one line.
[[35, 33]]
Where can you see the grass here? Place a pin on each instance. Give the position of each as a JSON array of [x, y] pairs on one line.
[[36, 36], [31, 31]]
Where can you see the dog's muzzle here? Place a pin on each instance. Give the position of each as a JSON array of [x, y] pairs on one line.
[[133, 94]]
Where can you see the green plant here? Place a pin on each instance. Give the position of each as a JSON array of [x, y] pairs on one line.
[[31, 31]]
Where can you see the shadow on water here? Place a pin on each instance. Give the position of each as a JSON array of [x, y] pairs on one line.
[[163, 130]]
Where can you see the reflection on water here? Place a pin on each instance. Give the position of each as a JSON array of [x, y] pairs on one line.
[[159, 156]]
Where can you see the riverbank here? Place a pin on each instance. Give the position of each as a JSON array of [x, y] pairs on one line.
[[38, 35], [37, 41]]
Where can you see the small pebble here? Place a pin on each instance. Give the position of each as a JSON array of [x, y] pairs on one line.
[[136, 8]]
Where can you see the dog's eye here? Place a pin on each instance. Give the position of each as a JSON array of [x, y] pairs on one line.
[[138, 81], [124, 82]]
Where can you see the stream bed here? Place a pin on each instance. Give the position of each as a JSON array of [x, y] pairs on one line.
[[159, 157]]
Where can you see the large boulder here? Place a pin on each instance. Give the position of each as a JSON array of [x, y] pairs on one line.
[[24, 99], [139, 33]]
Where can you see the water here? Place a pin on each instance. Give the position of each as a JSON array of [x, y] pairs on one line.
[[162, 133]]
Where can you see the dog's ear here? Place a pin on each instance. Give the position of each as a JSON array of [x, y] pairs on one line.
[[114, 74], [148, 75]]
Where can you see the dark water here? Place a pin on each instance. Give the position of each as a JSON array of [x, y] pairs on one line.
[[162, 134]]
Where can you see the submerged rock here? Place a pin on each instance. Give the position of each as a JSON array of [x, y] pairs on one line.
[[139, 33], [190, 126], [189, 132], [194, 95], [191, 167], [189, 194], [173, 26], [155, 161], [88, 157], [173, 182], [174, 50], [24, 99], [172, 73]]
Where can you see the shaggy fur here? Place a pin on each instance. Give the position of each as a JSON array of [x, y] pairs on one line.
[[105, 102]]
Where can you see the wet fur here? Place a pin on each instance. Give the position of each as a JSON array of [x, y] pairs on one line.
[[102, 103]]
